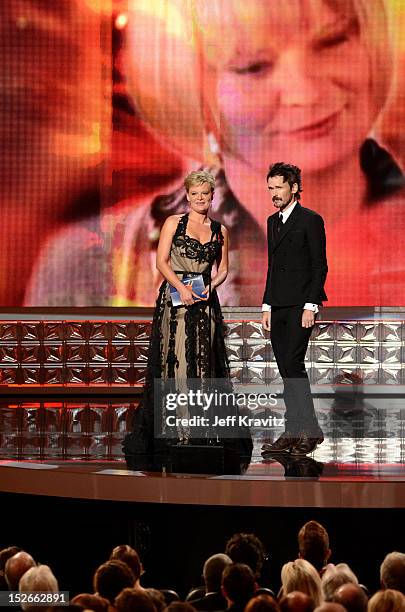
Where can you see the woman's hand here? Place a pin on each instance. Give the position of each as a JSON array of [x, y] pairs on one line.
[[206, 292], [187, 295]]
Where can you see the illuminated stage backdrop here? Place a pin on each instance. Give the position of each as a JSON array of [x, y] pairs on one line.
[[108, 104]]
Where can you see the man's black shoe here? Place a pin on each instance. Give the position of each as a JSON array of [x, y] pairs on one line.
[[298, 466], [283, 444], [306, 445]]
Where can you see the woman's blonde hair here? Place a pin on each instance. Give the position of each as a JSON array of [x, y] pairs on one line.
[[175, 46], [198, 177], [300, 575]]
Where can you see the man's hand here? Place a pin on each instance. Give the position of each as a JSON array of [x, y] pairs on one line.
[[266, 318], [308, 318]]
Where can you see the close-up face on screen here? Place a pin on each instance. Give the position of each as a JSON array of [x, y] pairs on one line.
[[108, 104]]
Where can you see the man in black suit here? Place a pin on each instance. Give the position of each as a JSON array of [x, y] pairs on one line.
[[238, 586], [297, 269], [212, 572]]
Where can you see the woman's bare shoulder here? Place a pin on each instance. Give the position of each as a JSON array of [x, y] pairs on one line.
[[174, 218], [172, 221]]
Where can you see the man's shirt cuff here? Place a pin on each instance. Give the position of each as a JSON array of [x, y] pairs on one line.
[[309, 306]]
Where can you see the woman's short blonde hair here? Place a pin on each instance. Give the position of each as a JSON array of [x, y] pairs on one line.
[[175, 46], [300, 575], [198, 177]]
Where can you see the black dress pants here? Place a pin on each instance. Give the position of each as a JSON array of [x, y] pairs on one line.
[[290, 342]]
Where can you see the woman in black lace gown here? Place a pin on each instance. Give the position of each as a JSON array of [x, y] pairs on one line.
[[187, 342]]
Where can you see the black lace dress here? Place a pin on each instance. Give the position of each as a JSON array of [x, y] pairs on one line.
[[186, 343]]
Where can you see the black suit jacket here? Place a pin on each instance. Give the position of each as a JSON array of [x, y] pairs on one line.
[[297, 265], [210, 603]]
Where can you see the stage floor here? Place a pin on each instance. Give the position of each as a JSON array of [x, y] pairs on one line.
[[73, 449], [344, 473]]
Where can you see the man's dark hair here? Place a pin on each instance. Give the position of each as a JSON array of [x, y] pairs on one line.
[[89, 601], [111, 577], [133, 599], [289, 172], [313, 544], [180, 606], [128, 555], [262, 603], [238, 583], [246, 548], [158, 599]]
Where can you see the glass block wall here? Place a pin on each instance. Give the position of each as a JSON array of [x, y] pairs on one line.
[[110, 353]]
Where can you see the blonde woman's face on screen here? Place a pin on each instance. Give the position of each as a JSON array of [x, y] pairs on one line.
[[295, 86]]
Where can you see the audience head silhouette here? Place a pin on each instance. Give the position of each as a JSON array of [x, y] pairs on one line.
[[387, 600], [128, 555], [300, 575], [238, 584], [16, 567], [37, 578], [392, 572], [131, 599], [89, 601], [296, 602], [334, 576], [329, 606], [248, 549], [352, 597], [111, 578], [262, 603], [313, 544], [212, 571]]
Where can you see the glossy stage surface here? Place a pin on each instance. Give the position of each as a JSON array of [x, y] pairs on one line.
[[343, 473], [72, 448]]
